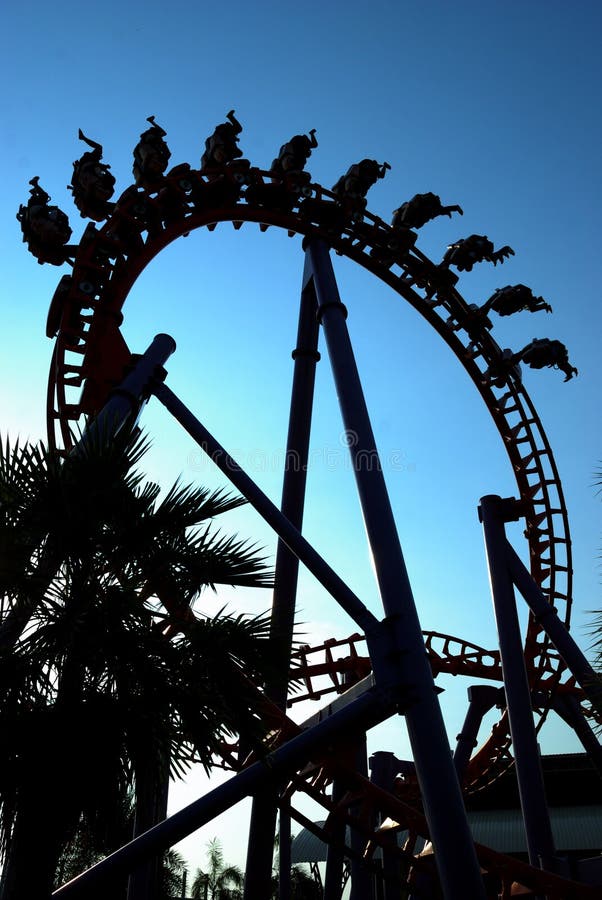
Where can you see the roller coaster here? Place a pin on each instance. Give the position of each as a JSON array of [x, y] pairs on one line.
[[92, 369]]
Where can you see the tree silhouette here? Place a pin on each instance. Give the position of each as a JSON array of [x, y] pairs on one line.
[[217, 880], [92, 686]]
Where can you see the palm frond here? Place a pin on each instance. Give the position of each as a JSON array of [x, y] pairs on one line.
[[221, 559], [190, 505]]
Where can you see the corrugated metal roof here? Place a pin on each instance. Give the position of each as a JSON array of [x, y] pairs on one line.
[[306, 847], [573, 827]]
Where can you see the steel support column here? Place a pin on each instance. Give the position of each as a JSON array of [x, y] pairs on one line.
[[292, 505], [540, 842], [262, 826], [125, 402], [383, 769], [123, 406], [456, 858], [362, 880], [335, 857], [481, 698], [284, 843]]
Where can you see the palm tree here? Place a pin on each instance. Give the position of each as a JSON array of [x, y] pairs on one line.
[[218, 881], [303, 885], [96, 838], [90, 845], [85, 850], [173, 871], [92, 684]]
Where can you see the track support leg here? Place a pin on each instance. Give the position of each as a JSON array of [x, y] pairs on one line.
[[263, 813], [456, 858], [481, 698], [540, 842]]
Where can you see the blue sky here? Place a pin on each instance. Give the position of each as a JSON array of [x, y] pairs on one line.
[[494, 106]]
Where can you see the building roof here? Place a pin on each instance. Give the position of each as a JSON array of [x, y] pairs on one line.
[[575, 828], [570, 779], [307, 847], [574, 792]]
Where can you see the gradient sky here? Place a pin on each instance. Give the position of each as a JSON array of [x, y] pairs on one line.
[[494, 106]]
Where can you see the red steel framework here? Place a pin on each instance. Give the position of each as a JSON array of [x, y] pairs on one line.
[[90, 357]]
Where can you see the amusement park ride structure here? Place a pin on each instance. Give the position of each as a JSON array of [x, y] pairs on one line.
[[390, 666]]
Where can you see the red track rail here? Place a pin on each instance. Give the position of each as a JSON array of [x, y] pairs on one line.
[[87, 310]]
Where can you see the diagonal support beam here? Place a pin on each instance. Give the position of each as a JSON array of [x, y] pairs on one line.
[[123, 408], [327, 577], [455, 854], [554, 627], [365, 712]]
